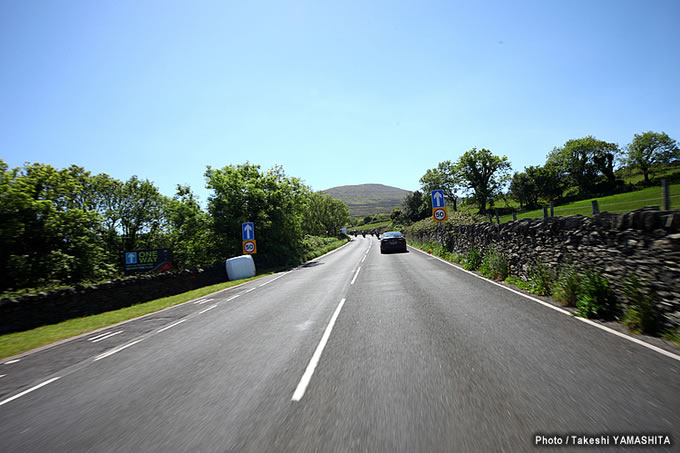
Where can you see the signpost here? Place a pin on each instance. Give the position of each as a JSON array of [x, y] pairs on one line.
[[439, 213], [248, 238], [147, 260]]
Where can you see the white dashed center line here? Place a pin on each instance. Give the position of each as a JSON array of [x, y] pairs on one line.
[[207, 309], [28, 391]]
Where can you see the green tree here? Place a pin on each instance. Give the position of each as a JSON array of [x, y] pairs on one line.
[[141, 208], [484, 173], [584, 161], [650, 148], [325, 215], [274, 202], [189, 230], [445, 177], [415, 207]]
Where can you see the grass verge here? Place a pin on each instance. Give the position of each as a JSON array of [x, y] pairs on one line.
[[18, 342]]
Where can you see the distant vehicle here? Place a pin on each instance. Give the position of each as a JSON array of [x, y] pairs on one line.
[[392, 241]]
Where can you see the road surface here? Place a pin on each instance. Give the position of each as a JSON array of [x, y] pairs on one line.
[[355, 351]]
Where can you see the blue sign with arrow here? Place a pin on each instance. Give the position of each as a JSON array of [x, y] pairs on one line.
[[248, 230], [438, 198]]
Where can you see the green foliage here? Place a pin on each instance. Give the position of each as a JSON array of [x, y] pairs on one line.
[[445, 177], [640, 314], [494, 265], [541, 279], [584, 161], [484, 174], [415, 207], [596, 299], [473, 260], [651, 148], [325, 215], [567, 287]]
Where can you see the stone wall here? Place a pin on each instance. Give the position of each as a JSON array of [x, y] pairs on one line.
[[35, 310], [645, 243]]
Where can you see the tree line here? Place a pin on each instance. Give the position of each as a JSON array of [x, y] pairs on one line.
[[584, 166], [67, 226]]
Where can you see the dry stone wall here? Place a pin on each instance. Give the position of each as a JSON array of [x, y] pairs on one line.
[[645, 243], [44, 308]]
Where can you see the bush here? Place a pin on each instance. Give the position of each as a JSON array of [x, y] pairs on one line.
[[494, 265], [567, 287], [541, 279], [596, 299], [473, 260], [640, 315]]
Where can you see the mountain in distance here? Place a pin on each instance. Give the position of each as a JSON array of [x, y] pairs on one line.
[[368, 199]]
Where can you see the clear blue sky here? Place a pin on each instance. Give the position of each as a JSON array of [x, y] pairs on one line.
[[338, 92]]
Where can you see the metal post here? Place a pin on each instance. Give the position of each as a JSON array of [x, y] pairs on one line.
[[666, 195], [490, 218], [498, 219], [514, 216], [552, 208], [596, 207], [545, 212]]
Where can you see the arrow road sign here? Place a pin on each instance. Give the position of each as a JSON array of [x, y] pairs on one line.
[[438, 198], [248, 231]]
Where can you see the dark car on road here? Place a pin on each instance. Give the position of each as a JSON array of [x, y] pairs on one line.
[[392, 241]]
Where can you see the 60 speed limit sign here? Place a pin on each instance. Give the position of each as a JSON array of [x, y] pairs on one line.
[[249, 247], [439, 214]]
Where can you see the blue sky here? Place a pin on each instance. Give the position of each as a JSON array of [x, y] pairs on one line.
[[337, 92]]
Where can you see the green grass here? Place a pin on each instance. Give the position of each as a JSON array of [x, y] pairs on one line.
[[619, 203], [18, 342]]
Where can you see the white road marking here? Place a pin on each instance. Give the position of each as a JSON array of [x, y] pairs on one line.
[[106, 336], [272, 280], [249, 290], [207, 309], [204, 301], [100, 335], [198, 301], [29, 390], [12, 361], [307, 376], [233, 297], [2, 375], [566, 312], [171, 326], [113, 351], [355, 276], [364, 258]]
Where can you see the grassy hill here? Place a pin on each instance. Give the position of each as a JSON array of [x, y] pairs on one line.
[[368, 199]]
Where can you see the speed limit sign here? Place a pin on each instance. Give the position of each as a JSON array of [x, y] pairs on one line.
[[249, 247], [439, 214]]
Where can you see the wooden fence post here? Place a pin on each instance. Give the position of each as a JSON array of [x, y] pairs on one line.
[[666, 195], [596, 207]]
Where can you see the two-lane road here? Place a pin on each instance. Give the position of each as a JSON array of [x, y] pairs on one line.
[[356, 351]]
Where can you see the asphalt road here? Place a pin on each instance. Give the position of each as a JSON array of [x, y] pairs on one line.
[[355, 351]]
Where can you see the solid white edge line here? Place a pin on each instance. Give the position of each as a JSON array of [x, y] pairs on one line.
[[355, 276], [566, 312], [307, 376], [19, 395], [171, 325], [106, 336], [207, 309], [118, 349]]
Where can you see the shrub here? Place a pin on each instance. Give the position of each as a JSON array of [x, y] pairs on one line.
[[640, 315], [596, 299], [494, 265], [541, 279], [473, 260], [567, 287]]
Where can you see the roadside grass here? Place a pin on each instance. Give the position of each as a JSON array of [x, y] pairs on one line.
[[18, 342], [371, 226]]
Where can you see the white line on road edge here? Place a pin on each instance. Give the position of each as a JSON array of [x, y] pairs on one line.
[[113, 351], [106, 336], [304, 382], [171, 325], [355, 276], [587, 321], [272, 280], [29, 391], [207, 309]]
